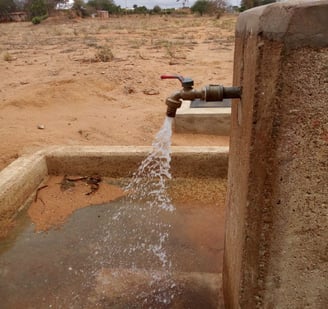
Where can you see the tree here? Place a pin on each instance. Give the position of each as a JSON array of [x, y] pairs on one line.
[[20, 4], [105, 5], [157, 9], [219, 4], [248, 4], [200, 7], [80, 9], [212, 7], [141, 10], [34, 7], [217, 7], [6, 7], [37, 8]]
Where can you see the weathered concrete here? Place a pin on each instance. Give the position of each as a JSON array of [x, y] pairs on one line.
[[121, 161], [277, 219], [214, 121], [21, 178]]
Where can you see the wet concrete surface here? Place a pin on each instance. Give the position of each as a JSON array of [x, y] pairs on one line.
[[111, 256]]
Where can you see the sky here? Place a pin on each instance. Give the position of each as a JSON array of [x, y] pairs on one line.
[[162, 3]]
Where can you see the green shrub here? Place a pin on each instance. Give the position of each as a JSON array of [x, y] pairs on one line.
[[36, 20]]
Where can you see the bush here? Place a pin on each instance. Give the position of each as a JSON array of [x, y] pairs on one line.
[[8, 57], [104, 54], [36, 20]]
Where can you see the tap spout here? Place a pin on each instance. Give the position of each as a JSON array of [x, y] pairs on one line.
[[174, 101], [209, 93]]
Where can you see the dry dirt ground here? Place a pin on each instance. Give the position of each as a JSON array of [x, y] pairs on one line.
[[52, 77]]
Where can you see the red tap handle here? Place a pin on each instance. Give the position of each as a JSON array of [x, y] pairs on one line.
[[179, 77], [185, 81]]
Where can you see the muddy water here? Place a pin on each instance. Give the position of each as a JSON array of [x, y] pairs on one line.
[[95, 260]]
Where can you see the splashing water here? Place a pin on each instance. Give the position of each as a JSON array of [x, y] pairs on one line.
[[148, 186], [148, 183], [138, 230]]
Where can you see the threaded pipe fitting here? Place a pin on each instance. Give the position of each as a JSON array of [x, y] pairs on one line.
[[171, 111]]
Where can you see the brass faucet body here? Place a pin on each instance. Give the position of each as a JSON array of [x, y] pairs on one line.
[[209, 93]]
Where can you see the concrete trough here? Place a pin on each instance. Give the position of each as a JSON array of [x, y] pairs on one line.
[[203, 119], [108, 278], [21, 178]]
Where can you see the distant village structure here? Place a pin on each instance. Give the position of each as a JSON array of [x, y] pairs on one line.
[[102, 14], [18, 16], [14, 16], [61, 8]]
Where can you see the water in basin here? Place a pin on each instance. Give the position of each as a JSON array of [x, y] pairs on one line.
[[97, 259]]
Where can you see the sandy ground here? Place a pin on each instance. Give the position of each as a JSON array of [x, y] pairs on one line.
[[51, 78]]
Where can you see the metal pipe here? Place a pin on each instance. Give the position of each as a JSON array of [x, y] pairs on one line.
[[209, 93], [232, 92]]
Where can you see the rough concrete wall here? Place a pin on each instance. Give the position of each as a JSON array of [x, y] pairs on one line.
[[238, 174], [297, 270], [277, 219]]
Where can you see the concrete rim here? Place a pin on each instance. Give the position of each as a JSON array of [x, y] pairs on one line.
[[21, 178]]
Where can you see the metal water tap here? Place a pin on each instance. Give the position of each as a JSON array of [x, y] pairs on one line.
[[209, 93]]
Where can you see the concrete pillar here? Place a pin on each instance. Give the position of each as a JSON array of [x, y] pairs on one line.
[[276, 245]]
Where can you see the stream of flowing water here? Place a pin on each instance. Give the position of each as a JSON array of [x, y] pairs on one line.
[[148, 187], [139, 228], [149, 181]]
